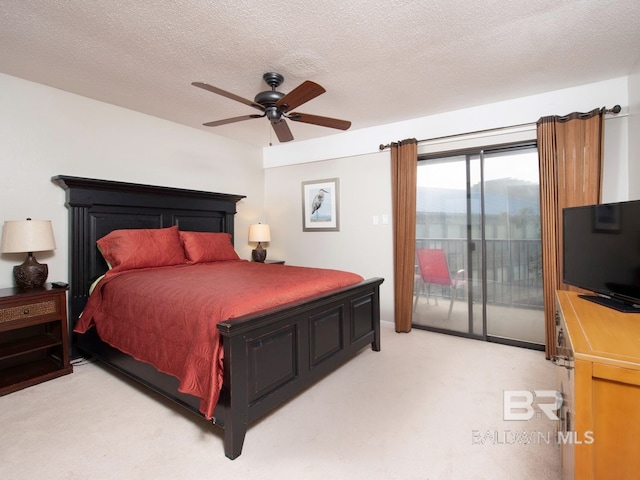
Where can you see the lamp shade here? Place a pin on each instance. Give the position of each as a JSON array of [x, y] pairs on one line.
[[259, 232], [20, 236]]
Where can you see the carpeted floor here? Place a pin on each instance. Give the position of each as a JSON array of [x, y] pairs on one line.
[[428, 407]]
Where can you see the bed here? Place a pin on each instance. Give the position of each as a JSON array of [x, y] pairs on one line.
[[300, 341]]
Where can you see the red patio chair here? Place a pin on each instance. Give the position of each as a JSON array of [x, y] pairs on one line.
[[434, 270]]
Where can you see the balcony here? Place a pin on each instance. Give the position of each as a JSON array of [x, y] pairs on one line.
[[514, 269]]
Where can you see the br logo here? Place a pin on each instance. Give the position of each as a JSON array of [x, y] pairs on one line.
[[518, 404]]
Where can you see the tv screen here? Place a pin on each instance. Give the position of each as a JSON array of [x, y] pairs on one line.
[[601, 252]]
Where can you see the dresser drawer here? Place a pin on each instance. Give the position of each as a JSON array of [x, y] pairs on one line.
[[9, 313]]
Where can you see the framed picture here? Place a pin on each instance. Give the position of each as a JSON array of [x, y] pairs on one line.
[[321, 206]]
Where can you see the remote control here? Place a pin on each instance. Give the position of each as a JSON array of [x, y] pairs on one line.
[[59, 285]]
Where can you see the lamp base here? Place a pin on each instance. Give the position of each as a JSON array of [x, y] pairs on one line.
[[259, 254], [31, 273]]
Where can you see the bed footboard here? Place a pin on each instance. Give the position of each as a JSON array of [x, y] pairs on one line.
[[271, 358]]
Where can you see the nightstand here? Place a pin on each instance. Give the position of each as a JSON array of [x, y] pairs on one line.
[[34, 341]]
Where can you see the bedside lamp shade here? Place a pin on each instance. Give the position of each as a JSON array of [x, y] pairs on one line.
[[259, 232], [28, 236]]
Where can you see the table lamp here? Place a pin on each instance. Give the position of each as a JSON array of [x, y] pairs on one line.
[[259, 232], [28, 236]]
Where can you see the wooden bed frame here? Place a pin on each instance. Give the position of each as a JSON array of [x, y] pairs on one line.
[[300, 342]]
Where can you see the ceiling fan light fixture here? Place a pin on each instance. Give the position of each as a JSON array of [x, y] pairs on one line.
[[273, 114]]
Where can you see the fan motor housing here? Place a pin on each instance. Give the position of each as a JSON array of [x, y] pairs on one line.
[[268, 98]]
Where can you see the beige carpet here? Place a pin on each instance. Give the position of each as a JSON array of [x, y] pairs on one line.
[[428, 407]]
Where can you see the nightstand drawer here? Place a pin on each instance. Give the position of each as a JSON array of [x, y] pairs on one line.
[[29, 310]]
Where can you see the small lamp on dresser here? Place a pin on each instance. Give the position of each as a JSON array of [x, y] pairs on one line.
[[28, 236], [259, 232]]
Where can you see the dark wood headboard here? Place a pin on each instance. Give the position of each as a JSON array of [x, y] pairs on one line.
[[96, 207]]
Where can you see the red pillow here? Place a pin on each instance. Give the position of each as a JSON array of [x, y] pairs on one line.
[[201, 247], [142, 248]]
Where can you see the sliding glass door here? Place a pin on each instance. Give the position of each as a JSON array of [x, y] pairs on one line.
[[478, 262]]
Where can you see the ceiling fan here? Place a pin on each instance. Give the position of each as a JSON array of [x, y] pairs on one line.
[[277, 106]]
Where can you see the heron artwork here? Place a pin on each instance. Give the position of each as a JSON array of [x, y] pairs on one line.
[[317, 201]]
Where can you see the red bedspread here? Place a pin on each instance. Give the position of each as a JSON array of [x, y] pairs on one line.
[[167, 316]]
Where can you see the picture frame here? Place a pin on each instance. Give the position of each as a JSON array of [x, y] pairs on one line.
[[321, 205]]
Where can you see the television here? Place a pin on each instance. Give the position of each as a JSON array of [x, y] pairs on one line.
[[601, 253]]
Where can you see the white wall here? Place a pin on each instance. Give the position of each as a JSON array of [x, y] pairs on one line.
[[634, 133], [46, 132], [359, 246], [364, 174]]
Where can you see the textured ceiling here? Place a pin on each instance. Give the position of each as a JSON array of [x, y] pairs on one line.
[[381, 61]]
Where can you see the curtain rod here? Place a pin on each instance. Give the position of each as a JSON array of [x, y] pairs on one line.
[[615, 110]]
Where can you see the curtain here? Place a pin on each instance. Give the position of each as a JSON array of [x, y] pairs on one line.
[[404, 172], [570, 151]]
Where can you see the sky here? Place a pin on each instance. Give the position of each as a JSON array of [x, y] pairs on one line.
[[451, 173]]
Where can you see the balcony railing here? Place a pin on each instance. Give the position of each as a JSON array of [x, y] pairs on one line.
[[513, 268]]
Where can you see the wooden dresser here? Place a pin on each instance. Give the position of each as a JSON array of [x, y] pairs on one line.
[[599, 376]]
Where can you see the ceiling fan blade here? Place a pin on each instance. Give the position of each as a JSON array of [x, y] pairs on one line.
[[304, 92], [224, 93], [282, 130], [318, 120], [217, 123]]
